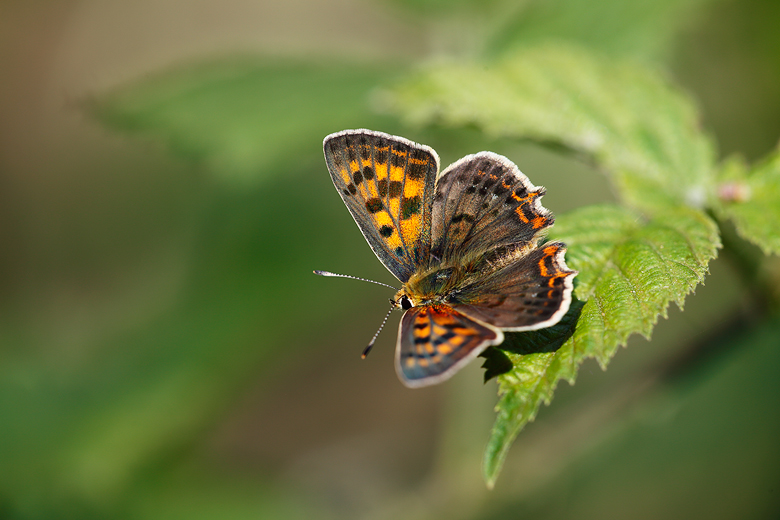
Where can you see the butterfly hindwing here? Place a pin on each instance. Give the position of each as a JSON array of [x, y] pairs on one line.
[[435, 341], [529, 292], [387, 183], [484, 202]]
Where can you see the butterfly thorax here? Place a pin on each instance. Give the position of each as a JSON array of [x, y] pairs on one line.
[[435, 286]]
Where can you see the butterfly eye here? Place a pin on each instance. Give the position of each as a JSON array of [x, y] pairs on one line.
[[406, 303]]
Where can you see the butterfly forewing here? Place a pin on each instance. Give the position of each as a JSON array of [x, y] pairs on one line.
[[435, 341], [483, 202], [387, 183]]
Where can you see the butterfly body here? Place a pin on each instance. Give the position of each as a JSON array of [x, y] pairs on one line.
[[439, 285], [463, 244]]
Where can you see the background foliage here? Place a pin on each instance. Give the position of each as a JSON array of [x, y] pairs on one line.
[[166, 353]]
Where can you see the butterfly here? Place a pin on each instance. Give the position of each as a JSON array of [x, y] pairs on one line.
[[464, 244]]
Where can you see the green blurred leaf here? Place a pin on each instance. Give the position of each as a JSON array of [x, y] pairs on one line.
[[751, 199], [641, 131], [630, 269], [449, 8], [644, 28], [82, 433], [247, 117]]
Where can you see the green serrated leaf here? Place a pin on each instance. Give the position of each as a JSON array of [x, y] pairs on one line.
[[245, 117], [751, 199], [631, 268], [636, 127]]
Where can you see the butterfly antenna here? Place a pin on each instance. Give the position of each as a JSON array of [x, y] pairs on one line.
[[382, 326], [328, 273]]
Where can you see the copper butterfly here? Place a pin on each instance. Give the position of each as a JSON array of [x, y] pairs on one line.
[[464, 244]]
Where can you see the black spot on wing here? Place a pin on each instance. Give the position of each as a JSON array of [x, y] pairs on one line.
[[395, 189], [462, 217], [410, 206], [445, 337], [374, 205]]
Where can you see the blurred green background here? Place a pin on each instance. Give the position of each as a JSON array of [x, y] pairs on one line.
[[165, 351]]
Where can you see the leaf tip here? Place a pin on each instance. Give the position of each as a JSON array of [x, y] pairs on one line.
[[490, 475]]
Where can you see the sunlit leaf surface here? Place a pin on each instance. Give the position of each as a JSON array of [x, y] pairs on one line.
[[631, 268]]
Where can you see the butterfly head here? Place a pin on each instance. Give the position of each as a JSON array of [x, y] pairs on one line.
[[402, 301]]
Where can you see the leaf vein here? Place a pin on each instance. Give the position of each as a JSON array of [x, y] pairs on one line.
[[665, 260], [631, 285]]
